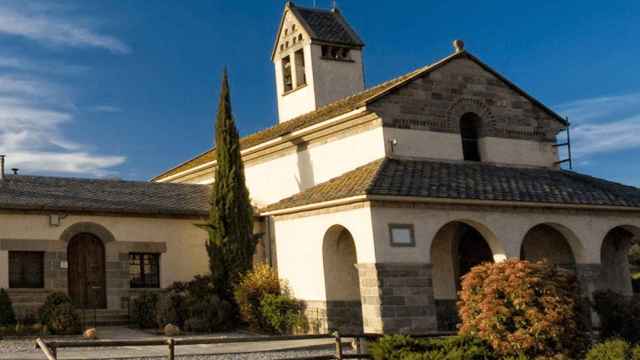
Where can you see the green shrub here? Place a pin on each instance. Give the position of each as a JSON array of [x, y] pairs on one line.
[[635, 352], [400, 347], [51, 302], [615, 349], [252, 287], [208, 314], [7, 315], [170, 309], [63, 320], [194, 306], [282, 313], [522, 308], [619, 316], [144, 310]]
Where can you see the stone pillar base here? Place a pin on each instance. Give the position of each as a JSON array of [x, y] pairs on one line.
[[326, 316], [397, 298]]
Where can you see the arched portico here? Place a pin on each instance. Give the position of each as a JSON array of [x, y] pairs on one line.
[[615, 273], [551, 242], [342, 284], [456, 248]]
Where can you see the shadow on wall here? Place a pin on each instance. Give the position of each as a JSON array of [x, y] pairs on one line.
[[306, 176]]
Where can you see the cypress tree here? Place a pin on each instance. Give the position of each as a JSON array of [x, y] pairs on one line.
[[231, 242]]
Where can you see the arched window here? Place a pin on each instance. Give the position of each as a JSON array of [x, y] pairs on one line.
[[469, 129]]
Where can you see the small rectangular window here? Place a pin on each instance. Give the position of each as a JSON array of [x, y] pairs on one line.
[[144, 270], [26, 269], [301, 78], [286, 74], [402, 235]]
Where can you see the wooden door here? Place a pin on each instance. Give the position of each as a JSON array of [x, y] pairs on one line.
[[86, 273]]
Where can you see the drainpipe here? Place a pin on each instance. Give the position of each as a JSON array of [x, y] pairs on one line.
[[2, 167]]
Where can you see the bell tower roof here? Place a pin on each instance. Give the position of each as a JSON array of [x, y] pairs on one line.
[[326, 26]]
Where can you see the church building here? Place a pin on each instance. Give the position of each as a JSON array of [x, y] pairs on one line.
[[371, 202], [374, 201]]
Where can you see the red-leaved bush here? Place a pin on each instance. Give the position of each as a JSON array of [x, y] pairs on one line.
[[522, 308]]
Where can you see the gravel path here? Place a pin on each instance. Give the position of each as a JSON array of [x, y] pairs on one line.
[[272, 355]]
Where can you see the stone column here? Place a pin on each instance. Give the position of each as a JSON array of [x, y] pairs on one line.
[[4, 269], [589, 281], [397, 298]]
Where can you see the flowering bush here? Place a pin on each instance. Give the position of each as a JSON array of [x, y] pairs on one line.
[[522, 309], [252, 288]]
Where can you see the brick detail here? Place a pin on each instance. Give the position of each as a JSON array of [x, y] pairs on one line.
[[397, 298]]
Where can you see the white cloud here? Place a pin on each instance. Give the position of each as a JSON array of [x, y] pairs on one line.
[[604, 124], [25, 65], [39, 24], [31, 131]]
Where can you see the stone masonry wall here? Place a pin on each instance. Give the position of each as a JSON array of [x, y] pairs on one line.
[[437, 101], [397, 298], [326, 316]]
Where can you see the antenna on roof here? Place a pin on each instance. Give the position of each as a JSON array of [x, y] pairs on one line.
[[333, 5]]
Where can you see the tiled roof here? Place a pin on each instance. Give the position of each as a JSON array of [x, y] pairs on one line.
[[327, 26], [102, 196], [343, 106], [467, 181]]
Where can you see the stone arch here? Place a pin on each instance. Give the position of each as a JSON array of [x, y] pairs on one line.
[[615, 271], [464, 106], [87, 227], [456, 247], [553, 242], [341, 280]]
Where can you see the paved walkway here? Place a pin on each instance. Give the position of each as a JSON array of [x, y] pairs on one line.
[[119, 333]]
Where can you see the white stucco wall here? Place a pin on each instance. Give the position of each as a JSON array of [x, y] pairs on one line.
[[277, 178], [517, 152], [185, 256], [334, 80], [447, 146], [299, 245], [302, 99], [503, 228], [290, 174]]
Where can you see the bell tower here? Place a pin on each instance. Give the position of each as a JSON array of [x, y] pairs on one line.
[[317, 58]]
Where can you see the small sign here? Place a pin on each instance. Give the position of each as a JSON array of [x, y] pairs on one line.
[[64, 265]]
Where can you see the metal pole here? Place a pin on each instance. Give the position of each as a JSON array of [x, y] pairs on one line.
[[338, 345], [569, 144], [172, 348]]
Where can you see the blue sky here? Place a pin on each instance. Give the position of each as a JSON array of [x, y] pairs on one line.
[[128, 88]]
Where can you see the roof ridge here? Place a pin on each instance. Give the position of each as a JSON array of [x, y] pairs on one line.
[[12, 178], [374, 179]]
